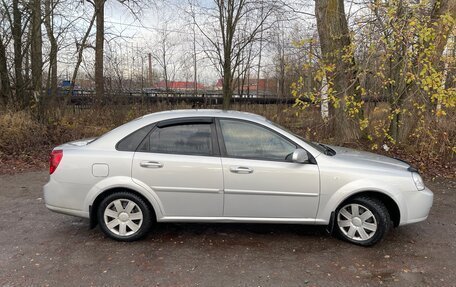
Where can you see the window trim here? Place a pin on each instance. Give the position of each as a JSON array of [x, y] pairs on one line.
[[150, 126], [186, 121], [223, 146]]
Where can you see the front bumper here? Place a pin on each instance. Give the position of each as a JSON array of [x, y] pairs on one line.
[[418, 204]]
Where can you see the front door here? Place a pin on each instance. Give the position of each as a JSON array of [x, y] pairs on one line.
[[260, 179], [180, 163]]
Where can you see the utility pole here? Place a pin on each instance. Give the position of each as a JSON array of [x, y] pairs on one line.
[[142, 75], [195, 72], [150, 70]]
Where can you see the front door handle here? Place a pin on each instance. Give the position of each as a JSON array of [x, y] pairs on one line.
[[241, 169], [151, 164]]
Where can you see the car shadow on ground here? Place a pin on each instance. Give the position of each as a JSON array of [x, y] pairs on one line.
[[236, 233], [307, 238]]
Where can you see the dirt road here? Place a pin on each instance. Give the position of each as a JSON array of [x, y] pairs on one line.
[[39, 247]]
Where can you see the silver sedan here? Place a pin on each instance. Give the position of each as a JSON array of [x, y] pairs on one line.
[[227, 166]]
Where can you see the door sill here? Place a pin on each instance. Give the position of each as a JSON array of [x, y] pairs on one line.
[[226, 219]]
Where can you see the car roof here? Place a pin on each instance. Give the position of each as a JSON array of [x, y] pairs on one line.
[[204, 113]]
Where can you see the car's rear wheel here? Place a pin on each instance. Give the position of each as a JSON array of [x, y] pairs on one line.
[[124, 216], [362, 220]]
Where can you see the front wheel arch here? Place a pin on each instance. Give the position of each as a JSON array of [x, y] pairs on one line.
[[96, 203]]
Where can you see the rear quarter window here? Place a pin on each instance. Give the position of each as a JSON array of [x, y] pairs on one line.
[[132, 141]]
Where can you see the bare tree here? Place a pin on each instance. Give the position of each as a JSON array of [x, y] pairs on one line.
[[238, 24], [52, 82], [80, 50], [164, 53]]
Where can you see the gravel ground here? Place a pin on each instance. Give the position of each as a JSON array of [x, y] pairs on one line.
[[39, 247]]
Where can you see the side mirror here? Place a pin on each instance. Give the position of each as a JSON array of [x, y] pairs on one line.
[[300, 156]]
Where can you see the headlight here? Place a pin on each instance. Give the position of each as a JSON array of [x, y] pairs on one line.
[[418, 181]]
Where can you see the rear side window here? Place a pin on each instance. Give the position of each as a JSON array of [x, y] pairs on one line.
[[189, 139], [131, 142]]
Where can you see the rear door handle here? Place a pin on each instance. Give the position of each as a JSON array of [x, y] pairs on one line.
[[241, 169], [151, 164]]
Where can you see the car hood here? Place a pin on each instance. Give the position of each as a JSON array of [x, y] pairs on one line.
[[367, 159]]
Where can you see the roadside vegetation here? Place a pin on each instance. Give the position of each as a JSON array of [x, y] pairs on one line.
[[25, 143]]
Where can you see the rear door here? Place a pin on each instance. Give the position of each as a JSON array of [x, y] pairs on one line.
[[180, 161]]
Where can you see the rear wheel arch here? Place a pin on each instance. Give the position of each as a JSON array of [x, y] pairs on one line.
[[390, 203], [96, 203]]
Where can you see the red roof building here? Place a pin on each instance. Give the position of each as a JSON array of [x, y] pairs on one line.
[[254, 86], [176, 85]]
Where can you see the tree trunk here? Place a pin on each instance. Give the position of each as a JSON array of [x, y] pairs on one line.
[[195, 71], [450, 79], [99, 49], [165, 65], [334, 42], [80, 52], [20, 96], [227, 84], [5, 91], [36, 51], [260, 50], [441, 8], [51, 87]]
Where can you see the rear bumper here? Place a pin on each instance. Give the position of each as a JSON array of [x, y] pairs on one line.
[[68, 211], [419, 204], [64, 198]]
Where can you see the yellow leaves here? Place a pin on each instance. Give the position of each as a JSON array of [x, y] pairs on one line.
[[363, 124], [334, 100], [447, 20], [352, 106], [302, 42], [323, 70], [440, 113], [319, 75], [409, 77]]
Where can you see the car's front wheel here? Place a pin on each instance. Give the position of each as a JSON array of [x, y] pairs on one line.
[[124, 216], [362, 220]]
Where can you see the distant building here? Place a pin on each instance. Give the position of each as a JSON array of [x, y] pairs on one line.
[[219, 85], [253, 86], [179, 86]]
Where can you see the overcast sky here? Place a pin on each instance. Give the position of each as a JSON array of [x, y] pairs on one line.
[[132, 37]]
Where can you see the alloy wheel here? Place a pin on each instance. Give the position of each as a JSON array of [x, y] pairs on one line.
[[357, 222], [123, 217]]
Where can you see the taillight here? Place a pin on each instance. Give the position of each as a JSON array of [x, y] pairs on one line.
[[54, 160]]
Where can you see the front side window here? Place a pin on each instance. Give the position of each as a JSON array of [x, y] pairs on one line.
[[190, 139], [248, 140]]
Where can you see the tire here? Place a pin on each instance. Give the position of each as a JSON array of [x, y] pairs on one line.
[[124, 216], [362, 220]]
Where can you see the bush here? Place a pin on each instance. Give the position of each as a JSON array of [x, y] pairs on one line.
[[20, 133]]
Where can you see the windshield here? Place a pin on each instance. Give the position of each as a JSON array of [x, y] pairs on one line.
[[316, 146]]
